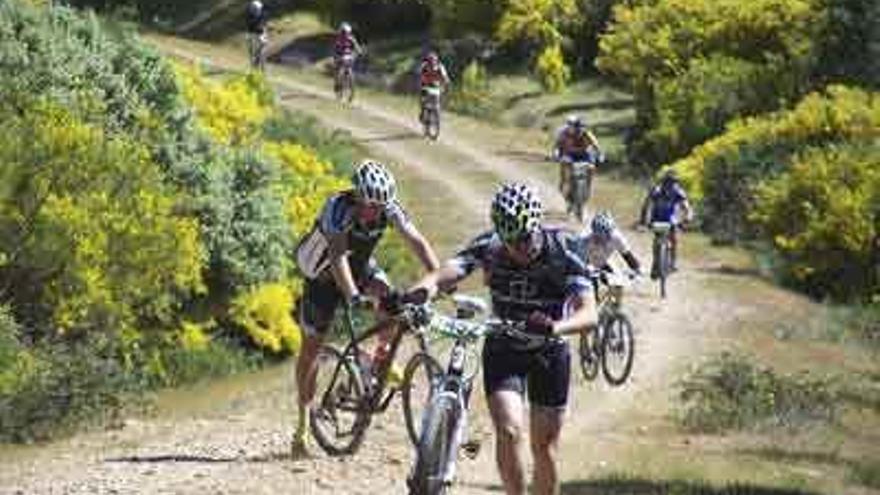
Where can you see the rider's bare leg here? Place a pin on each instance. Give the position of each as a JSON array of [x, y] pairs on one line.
[[507, 408], [545, 427]]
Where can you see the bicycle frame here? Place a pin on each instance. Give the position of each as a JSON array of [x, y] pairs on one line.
[[352, 351]]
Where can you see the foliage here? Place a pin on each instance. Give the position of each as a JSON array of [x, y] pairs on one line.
[[266, 315], [823, 216], [730, 392], [670, 53], [90, 231], [472, 96], [551, 69], [851, 47], [336, 147]]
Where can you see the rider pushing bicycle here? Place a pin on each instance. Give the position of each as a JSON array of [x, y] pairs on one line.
[[534, 278], [663, 201], [574, 143], [336, 258]]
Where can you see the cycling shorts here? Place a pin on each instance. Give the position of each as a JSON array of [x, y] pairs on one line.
[[317, 305], [544, 373]]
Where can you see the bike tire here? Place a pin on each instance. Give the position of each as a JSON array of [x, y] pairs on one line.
[[435, 449], [344, 392], [618, 341], [432, 127], [414, 389], [588, 357], [664, 268]]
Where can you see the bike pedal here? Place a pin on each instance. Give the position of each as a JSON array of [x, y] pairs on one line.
[[471, 449]]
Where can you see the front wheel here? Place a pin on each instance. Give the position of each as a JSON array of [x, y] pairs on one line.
[[589, 355], [420, 380], [618, 349], [340, 417], [432, 124], [661, 264], [435, 449]]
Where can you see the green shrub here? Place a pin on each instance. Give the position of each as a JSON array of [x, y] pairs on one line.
[[551, 69], [471, 96], [731, 392], [823, 217]]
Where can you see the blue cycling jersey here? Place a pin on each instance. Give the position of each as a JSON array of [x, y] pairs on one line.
[[664, 201]]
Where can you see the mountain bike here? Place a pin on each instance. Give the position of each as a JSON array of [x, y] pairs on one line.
[[611, 345], [344, 78], [430, 111], [349, 393], [444, 422], [580, 181], [661, 266], [257, 43]]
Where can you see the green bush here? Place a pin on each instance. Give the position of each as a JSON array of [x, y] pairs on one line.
[[551, 69], [694, 64], [471, 96], [730, 392], [823, 216]]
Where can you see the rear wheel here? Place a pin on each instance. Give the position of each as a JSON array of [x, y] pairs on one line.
[[434, 449], [618, 349], [419, 383], [340, 418]]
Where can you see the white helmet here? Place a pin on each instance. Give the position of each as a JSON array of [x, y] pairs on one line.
[[574, 121], [373, 182], [345, 27], [516, 211], [603, 224]]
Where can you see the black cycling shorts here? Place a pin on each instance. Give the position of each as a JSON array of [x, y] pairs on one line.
[[545, 372], [316, 308]]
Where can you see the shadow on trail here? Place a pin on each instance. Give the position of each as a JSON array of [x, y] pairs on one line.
[[620, 104], [523, 156], [400, 136], [204, 459], [724, 269], [638, 486]]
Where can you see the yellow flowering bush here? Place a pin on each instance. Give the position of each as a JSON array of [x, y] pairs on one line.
[[231, 111], [266, 313]]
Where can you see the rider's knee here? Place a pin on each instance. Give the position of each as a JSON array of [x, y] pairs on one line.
[[509, 433]]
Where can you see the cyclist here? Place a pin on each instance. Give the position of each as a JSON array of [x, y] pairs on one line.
[[533, 277], [603, 240], [574, 143], [256, 20], [663, 201], [345, 47], [432, 74], [336, 258]]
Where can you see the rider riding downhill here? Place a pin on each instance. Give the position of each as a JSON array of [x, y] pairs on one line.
[[345, 47], [602, 240], [662, 202], [336, 259], [574, 143], [537, 281], [432, 74], [256, 22]]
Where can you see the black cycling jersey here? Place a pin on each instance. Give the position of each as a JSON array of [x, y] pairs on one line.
[[555, 274]]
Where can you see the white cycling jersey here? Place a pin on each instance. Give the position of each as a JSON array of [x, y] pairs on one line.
[[597, 250]]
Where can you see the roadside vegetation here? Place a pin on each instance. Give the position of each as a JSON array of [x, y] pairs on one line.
[[148, 214]]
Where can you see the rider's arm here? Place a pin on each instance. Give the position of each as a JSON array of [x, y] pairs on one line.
[[593, 141], [631, 261], [416, 241], [643, 215], [463, 264], [583, 316], [622, 246], [340, 268], [357, 46], [688, 211]]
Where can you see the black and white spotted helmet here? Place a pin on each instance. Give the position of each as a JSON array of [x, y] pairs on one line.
[[373, 182], [516, 211]]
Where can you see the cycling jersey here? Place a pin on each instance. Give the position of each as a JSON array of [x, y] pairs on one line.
[[572, 141], [597, 250], [554, 276], [337, 230], [432, 75], [345, 44], [664, 201]]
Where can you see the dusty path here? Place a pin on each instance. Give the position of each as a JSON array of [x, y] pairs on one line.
[[231, 437]]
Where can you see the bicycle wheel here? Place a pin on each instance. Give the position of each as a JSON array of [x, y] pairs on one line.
[[419, 381], [589, 358], [435, 449], [340, 418], [664, 267], [348, 85], [618, 349], [432, 124]]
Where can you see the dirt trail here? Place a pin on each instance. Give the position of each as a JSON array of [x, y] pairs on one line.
[[236, 441]]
